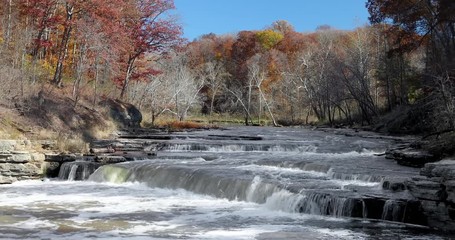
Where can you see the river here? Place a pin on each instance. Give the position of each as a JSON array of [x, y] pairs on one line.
[[236, 183]]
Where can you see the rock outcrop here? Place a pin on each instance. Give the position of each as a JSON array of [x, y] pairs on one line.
[[125, 114], [435, 189], [20, 161], [411, 154], [411, 157], [137, 144]]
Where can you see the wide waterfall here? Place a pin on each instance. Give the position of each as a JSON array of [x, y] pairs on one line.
[[238, 183]]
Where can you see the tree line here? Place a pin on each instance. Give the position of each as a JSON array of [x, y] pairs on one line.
[[286, 77], [133, 50]]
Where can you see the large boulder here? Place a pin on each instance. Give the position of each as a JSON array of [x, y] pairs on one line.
[[125, 114]]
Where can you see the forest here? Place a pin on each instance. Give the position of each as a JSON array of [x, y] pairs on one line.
[[401, 63]]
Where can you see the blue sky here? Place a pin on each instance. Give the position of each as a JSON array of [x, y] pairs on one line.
[[230, 16]]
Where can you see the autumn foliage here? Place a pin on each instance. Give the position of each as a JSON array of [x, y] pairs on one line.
[[87, 42], [133, 49]]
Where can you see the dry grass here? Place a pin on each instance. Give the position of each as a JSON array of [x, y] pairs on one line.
[[55, 119], [12, 126], [71, 144], [103, 132], [66, 142], [184, 125]]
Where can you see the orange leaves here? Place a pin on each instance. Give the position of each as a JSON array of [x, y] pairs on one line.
[[412, 20]]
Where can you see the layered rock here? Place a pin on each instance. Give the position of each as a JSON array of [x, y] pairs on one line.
[[435, 188], [411, 157], [19, 161], [105, 151]]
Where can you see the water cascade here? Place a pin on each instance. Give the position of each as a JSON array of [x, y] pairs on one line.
[[77, 170], [211, 147], [241, 183]]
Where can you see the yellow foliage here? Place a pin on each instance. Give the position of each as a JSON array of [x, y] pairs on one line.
[[47, 67], [218, 56], [269, 38]]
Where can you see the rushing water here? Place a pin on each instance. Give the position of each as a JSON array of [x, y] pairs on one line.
[[292, 184]]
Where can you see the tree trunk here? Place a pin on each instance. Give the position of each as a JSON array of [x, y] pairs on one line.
[[63, 46], [8, 23], [129, 71], [212, 103], [248, 104], [268, 108], [96, 80], [79, 74]]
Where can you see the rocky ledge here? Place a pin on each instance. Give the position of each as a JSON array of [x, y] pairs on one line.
[[129, 145], [20, 160], [435, 189], [411, 157]]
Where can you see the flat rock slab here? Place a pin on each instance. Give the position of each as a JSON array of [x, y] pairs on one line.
[[7, 145], [140, 136], [60, 158], [20, 158], [109, 159], [7, 180], [233, 137], [19, 170], [4, 156], [443, 169], [411, 157]]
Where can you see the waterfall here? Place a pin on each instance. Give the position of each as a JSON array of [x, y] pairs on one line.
[[72, 173], [203, 181], [77, 170], [354, 177], [210, 147], [325, 204], [364, 210], [393, 210], [240, 185], [314, 167], [285, 201], [251, 192]]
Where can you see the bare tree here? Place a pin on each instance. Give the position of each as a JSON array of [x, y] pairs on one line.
[[356, 68], [184, 86], [257, 75], [215, 75]]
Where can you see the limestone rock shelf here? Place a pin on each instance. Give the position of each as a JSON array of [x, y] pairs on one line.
[[20, 161]]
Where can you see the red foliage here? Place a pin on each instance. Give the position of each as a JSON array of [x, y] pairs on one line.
[[150, 31]]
